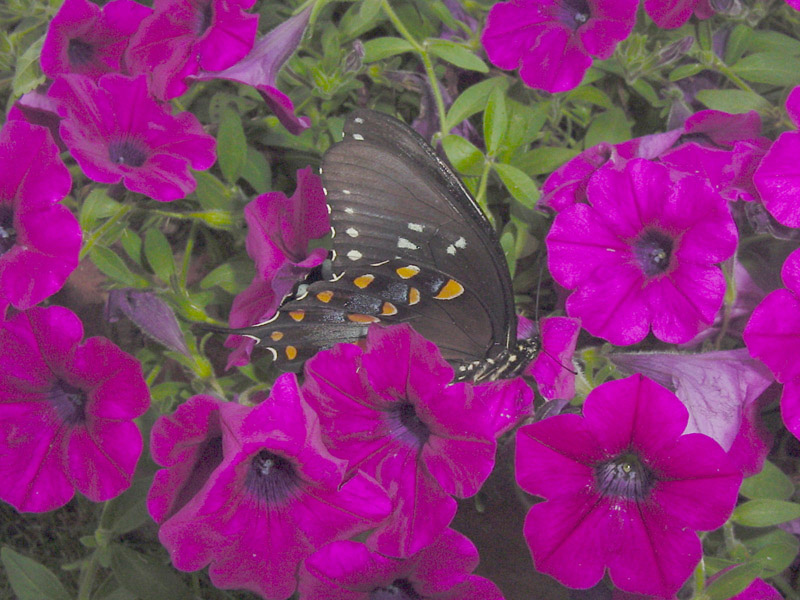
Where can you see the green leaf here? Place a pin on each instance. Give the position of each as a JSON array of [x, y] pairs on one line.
[[732, 582], [132, 244], [774, 558], [27, 74], [114, 267], [684, 71], [610, 126], [96, 206], [544, 159], [443, 13], [495, 121], [159, 253], [733, 101], [231, 145], [463, 155], [773, 68], [457, 54], [520, 186], [29, 579], [384, 47], [148, 579], [128, 511], [589, 93], [764, 513], [211, 192], [257, 171], [771, 482], [473, 100], [232, 276]]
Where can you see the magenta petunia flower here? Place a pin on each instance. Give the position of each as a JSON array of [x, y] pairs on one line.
[[391, 412], [83, 39], [777, 177], [441, 571], [117, 132], [183, 36], [189, 443], [643, 253], [66, 412], [625, 489], [773, 336], [276, 496], [670, 14], [280, 229], [261, 66], [40, 240], [552, 368], [724, 148], [552, 42]]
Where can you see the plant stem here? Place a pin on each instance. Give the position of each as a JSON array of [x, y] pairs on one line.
[[88, 573], [480, 196], [101, 231], [426, 62]]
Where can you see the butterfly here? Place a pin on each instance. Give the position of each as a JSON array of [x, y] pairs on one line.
[[410, 245]]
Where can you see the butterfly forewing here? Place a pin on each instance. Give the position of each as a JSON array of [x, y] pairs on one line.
[[392, 198]]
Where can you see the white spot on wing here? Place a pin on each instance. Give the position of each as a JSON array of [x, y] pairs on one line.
[[415, 227], [352, 232], [404, 243], [348, 210], [346, 192], [354, 255], [358, 120], [461, 243], [333, 232], [337, 276], [451, 250], [358, 136]]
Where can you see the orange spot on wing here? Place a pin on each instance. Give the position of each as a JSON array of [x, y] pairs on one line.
[[451, 289], [363, 281], [359, 318], [413, 296], [291, 352], [407, 272], [388, 309], [276, 336], [325, 296], [297, 315]]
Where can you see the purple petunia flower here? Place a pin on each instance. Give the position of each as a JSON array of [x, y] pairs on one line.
[[723, 392], [670, 14], [261, 66], [441, 571], [189, 443], [66, 412], [643, 253], [276, 496], [390, 411], [40, 240], [183, 36], [773, 336], [83, 39], [625, 489], [117, 132], [552, 42], [280, 229]]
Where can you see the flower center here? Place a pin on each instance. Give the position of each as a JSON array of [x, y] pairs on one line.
[[406, 424], [127, 152], [205, 16], [573, 13], [69, 402], [625, 476], [653, 252], [8, 235], [271, 478], [79, 52], [400, 589]]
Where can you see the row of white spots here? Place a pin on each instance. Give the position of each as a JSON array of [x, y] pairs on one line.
[[406, 244]]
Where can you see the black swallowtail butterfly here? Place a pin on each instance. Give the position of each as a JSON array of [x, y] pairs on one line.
[[409, 245]]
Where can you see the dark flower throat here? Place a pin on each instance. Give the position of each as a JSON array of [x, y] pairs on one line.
[[624, 476], [271, 478]]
